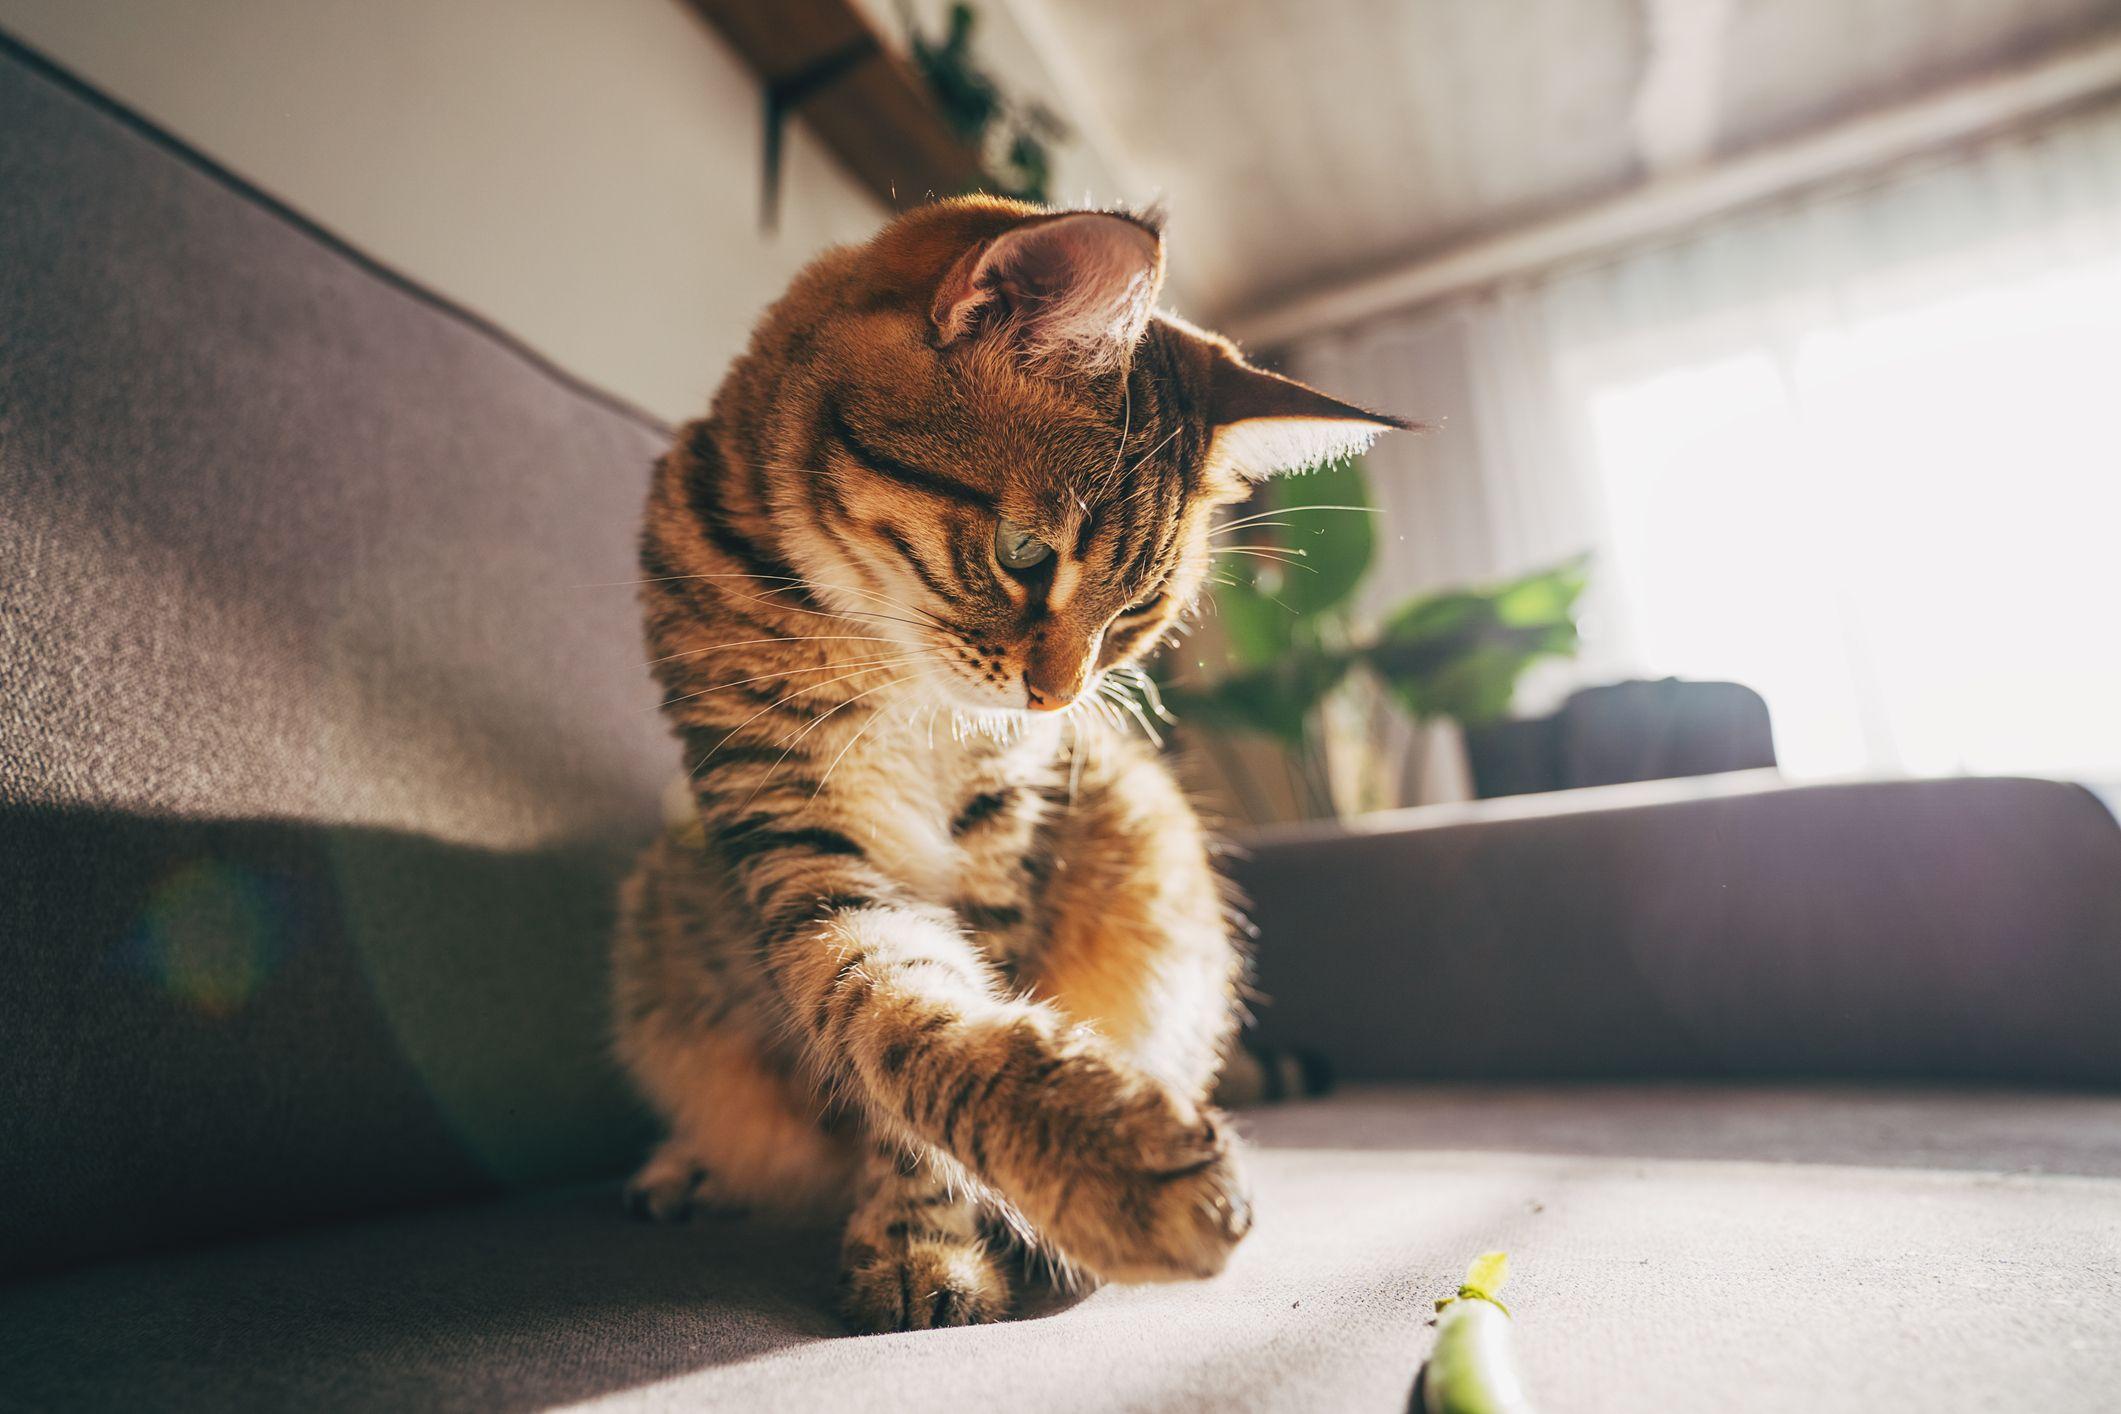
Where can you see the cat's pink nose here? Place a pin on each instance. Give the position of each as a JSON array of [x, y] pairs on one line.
[[1056, 665], [1048, 699]]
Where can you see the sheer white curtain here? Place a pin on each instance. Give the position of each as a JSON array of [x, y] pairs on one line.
[[1861, 451]]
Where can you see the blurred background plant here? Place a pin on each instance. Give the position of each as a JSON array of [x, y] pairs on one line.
[[1014, 140], [1311, 676]]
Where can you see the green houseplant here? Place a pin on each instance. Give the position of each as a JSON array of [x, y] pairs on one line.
[[1014, 140], [1304, 671]]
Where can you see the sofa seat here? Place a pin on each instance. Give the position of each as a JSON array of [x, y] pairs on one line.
[[1676, 1248]]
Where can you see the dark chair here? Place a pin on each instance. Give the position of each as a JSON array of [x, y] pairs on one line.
[[1628, 731]]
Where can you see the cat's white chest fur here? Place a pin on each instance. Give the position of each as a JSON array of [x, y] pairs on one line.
[[917, 775], [920, 775]]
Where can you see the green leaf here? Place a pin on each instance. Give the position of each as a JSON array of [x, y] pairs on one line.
[[1433, 619], [1274, 700], [1543, 598], [1459, 655], [1256, 629], [1488, 1273], [1335, 546], [1313, 561]]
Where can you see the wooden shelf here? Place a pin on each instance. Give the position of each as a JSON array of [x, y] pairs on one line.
[[874, 113]]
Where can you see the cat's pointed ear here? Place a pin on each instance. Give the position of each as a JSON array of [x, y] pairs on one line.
[[1072, 291], [1265, 423]]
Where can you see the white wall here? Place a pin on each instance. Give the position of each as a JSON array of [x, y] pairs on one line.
[[583, 172]]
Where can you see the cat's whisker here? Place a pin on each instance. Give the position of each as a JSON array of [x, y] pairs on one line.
[[786, 581], [790, 581], [794, 672], [913, 711], [1287, 559], [843, 614], [795, 582], [1291, 510], [755, 642], [849, 746], [1168, 439], [994, 724], [796, 740], [884, 599], [774, 705], [1145, 684], [1126, 427], [1124, 699]]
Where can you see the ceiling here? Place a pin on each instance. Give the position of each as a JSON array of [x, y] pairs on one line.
[[1298, 144]]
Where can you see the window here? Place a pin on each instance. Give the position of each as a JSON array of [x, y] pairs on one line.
[[1904, 529]]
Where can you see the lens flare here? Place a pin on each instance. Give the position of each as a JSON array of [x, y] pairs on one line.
[[206, 937]]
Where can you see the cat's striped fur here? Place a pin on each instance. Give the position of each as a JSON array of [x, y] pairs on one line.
[[944, 944]]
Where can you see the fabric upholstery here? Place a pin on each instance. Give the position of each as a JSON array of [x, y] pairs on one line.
[[1947, 929], [1674, 1249], [318, 751]]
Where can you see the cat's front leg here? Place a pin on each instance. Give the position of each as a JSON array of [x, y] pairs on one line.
[[914, 1257], [1128, 1178], [900, 1013], [1120, 1173]]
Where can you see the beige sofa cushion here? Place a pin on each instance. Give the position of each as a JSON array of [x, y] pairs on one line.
[[1676, 1249]]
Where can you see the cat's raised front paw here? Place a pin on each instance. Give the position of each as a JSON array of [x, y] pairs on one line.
[[1160, 1199]]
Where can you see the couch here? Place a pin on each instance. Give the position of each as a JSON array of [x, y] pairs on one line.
[[324, 733]]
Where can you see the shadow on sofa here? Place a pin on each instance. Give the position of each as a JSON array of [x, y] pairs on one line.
[[562, 1298], [226, 1026]]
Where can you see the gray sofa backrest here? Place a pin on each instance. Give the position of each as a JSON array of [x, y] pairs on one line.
[[318, 751], [1936, 930]]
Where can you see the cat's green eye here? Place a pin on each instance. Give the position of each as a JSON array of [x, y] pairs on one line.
[[1017, 548]]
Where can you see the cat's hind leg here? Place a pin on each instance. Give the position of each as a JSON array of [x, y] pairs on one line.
[[747, 1132], [669, 1185], [745, 1135], [915, 1257]]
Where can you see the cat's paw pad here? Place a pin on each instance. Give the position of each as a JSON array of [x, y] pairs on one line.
[[922, 1286], [1175, 1204]]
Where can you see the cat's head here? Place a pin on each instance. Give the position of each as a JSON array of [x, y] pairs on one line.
[[981, 436]]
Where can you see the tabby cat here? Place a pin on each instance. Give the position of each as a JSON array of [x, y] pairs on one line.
[[943, 950]]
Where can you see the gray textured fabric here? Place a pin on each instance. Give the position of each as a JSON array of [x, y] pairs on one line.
[[317, 756], [285, 540], [1966, 929], [1649, 1275]]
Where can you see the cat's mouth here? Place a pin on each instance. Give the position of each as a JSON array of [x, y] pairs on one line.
[[1011, 697], [970, 694]]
